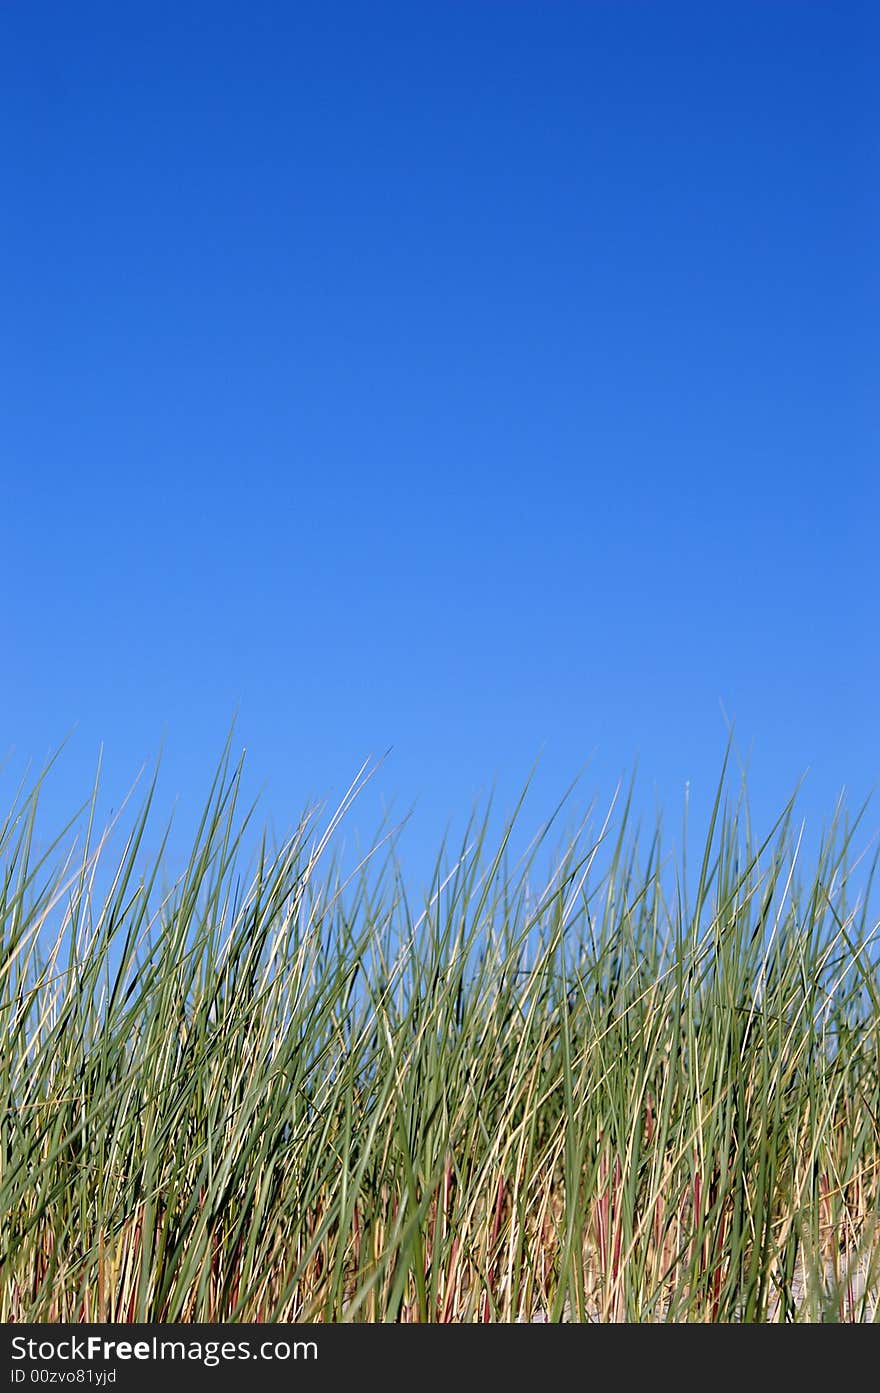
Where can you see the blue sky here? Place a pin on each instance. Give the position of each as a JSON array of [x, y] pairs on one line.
[[478, 380]]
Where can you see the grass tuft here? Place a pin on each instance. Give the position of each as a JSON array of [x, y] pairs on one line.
[[268, 1092]]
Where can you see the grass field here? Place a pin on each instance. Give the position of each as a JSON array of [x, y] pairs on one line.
[[623, 1088]]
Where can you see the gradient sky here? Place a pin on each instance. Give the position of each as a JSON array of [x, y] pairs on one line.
[[475, 380]]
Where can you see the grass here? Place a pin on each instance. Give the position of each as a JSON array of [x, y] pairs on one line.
[[627, 1090]]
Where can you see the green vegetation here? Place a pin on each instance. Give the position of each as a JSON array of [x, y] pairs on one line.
[[631, 1089]]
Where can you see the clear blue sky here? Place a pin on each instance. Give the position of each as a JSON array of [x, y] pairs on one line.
[[473, 379]]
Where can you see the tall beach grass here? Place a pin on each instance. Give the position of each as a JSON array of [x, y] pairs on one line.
[[621, 1089]]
